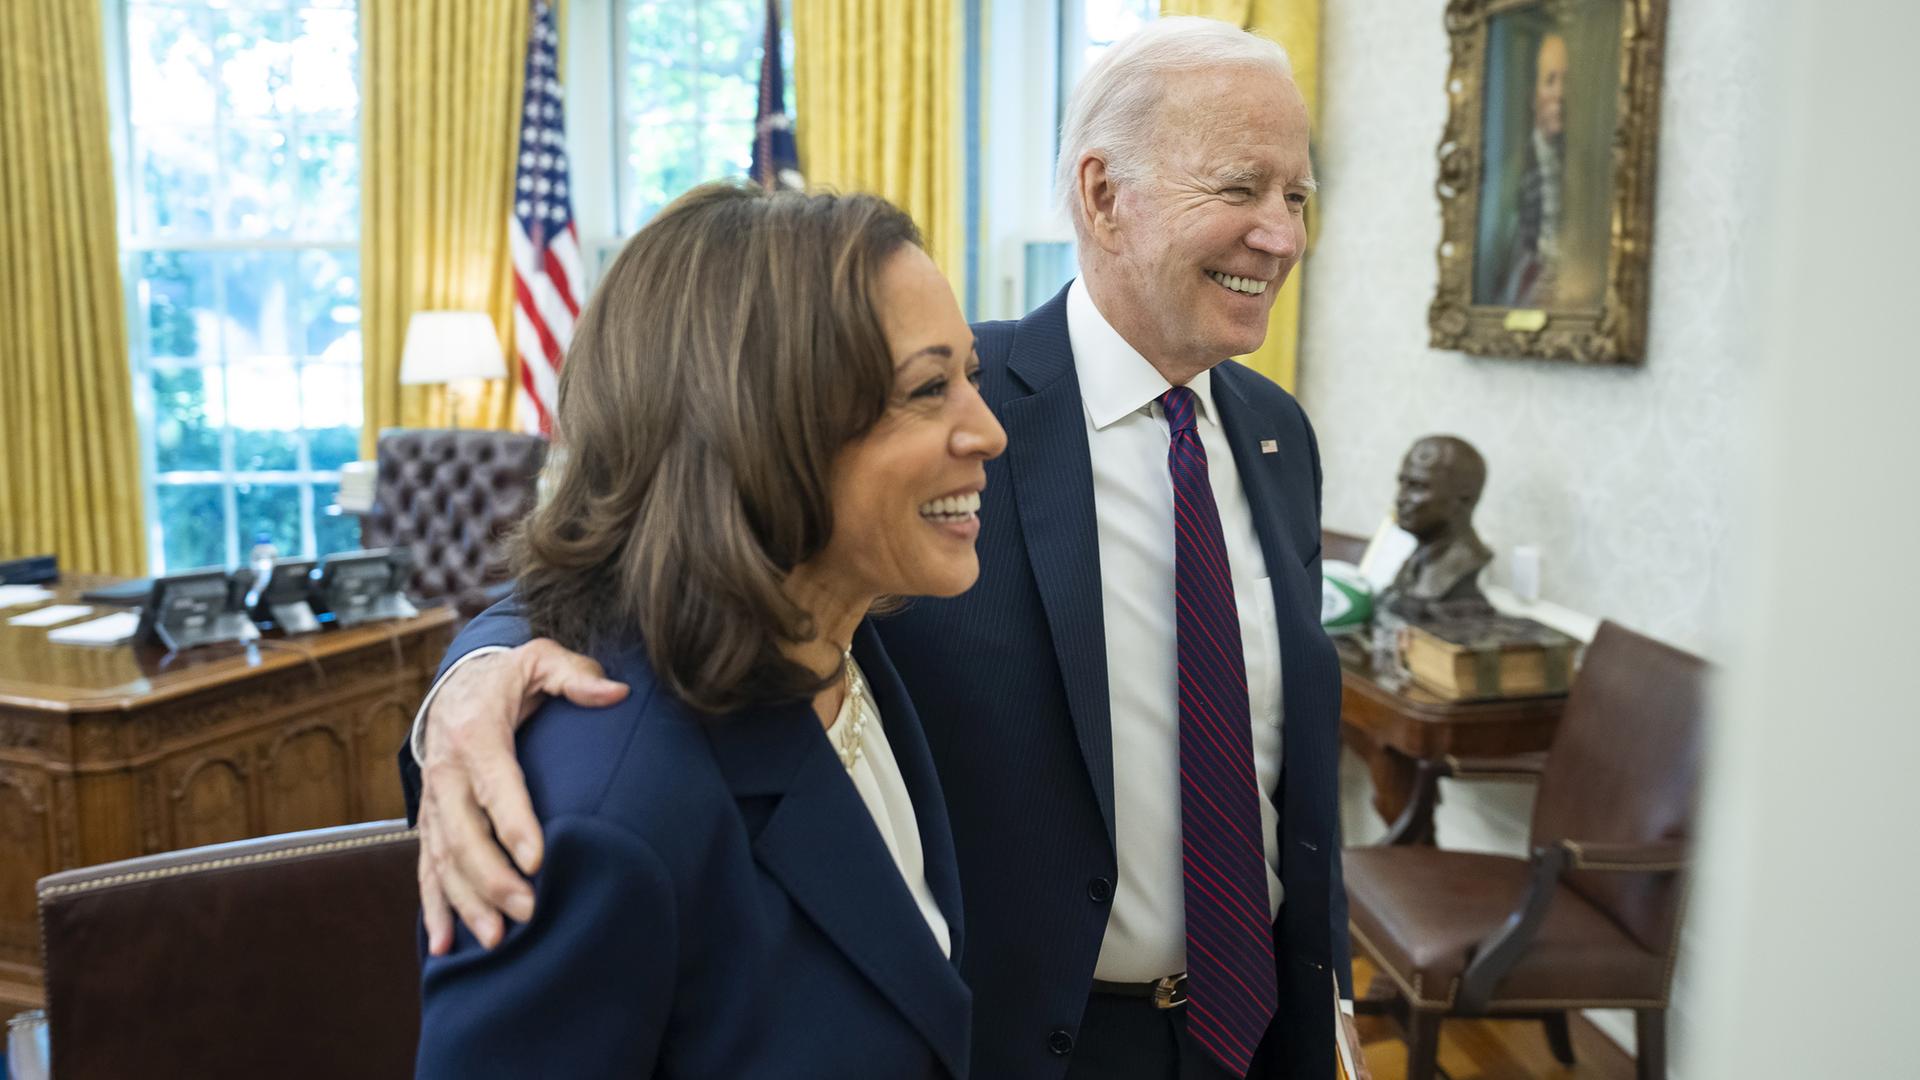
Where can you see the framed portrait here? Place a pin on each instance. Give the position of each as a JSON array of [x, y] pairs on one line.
[[1546, 178]]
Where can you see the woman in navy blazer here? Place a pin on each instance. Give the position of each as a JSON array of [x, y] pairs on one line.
[[769, 424]]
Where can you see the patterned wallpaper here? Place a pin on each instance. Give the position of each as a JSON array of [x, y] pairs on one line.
[[1620, 476]]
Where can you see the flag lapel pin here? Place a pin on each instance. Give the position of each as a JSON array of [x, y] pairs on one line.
[[1269, 446]]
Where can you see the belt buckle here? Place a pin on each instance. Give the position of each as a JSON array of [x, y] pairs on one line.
[[1170, 991]]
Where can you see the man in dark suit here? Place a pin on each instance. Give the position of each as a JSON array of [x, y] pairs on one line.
[[1134, 713]]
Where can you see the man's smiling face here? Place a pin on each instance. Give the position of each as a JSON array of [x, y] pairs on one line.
[[1204, 241]]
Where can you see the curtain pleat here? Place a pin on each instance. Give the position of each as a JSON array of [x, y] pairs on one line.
[[878, 93], [69, 453], [441, 124]]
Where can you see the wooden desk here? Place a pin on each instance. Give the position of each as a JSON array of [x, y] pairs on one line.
[[107, 753], [1393, 727]]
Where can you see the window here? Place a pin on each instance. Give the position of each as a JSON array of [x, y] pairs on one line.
[[1031, 65], [688, 98], [1088, 28], [238, 131]]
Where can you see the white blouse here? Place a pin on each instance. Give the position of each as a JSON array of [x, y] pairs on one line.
[[876, 776]]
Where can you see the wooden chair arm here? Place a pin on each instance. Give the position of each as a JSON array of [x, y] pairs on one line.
[[1496, 956], [1415, 824]]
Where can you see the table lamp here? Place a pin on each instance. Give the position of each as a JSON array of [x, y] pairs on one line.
[[458, 348]]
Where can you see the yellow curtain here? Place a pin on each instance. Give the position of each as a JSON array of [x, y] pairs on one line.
[[1295, 24], [440, 125], [69, 455], [877, 89]]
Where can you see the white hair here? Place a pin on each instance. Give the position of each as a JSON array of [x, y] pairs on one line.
[[1113, 109]]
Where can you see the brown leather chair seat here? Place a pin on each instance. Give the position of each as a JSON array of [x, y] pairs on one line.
[[1421, 912]]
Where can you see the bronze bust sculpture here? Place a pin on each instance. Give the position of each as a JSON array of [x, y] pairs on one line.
[[1440, 484]]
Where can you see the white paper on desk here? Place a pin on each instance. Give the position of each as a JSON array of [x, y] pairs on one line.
[[110, 630], [15, 595], [51, 614]]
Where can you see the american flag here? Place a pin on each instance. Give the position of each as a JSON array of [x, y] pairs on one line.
[[545, 245]]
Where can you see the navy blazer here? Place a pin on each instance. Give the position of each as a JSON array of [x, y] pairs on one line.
[[1010, 680], [715, 901]]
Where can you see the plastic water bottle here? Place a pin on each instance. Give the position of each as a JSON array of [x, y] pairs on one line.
[[264, 553]]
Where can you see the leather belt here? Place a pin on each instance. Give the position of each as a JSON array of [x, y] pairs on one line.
[[1167, 992]]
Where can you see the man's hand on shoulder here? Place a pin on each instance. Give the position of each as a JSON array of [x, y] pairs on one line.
[[472, 789]]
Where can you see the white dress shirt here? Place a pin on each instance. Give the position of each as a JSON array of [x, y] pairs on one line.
[[1128, 438], [876, 776]]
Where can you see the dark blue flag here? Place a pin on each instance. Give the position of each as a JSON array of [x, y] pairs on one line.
[[776, 162]]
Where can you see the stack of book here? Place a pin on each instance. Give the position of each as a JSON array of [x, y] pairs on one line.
[[1488, 656]]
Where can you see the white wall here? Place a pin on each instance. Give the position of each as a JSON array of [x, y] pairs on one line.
[[1623, 477], [1805, 941]]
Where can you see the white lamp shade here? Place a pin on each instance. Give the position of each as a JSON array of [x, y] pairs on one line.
[[443, 346]]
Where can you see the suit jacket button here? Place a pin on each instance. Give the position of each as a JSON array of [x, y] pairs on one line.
[[1099, 890], [1060, 1041]]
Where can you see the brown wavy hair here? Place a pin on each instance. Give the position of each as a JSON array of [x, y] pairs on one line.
[[730, 351]]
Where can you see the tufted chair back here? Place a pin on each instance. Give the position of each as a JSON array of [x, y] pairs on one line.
[[452, 496]]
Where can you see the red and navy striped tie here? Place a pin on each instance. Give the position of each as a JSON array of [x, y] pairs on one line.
[[1231, 989]]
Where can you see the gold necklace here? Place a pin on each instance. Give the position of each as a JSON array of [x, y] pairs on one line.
[[851, 744]]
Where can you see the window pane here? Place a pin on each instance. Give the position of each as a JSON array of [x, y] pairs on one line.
[[169, 66], [259, 319], [176, 166], [263, 402], [193, 524], [660, 84], [730, 32], [326, 59], [729, 149], [326, 175], [255, 53], [1107, 21], [326, 305], [186, 418], [259, 168], [332, 531], [176, 293], [272, 510], [664, 162], [331, 404]]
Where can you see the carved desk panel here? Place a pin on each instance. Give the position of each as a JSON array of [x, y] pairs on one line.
[[108, 753]]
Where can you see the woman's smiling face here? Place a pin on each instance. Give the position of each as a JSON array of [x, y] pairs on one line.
[[906, 495]]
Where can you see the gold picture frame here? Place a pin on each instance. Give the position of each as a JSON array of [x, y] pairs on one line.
[[1546, 178]]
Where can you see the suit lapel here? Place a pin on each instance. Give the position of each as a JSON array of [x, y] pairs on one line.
[[821, 846], [1052, 474], [1296, 604]]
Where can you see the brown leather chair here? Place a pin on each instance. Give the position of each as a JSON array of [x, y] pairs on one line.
[[452, 496], [1591, 920], [287, 956]]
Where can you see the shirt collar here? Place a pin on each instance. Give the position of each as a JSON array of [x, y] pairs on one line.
[[1115, 380]]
